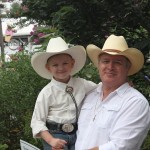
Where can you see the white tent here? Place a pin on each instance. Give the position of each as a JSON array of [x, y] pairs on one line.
[[22, 35], [24, 31], [19, 30]]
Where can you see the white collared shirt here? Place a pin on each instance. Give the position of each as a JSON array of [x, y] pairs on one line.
[[54, 104], [121, 121]]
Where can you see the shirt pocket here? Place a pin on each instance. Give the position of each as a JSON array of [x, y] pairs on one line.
[[85, 113], [107, 115]]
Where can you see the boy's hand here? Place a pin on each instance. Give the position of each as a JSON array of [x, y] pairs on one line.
[[58, 144]]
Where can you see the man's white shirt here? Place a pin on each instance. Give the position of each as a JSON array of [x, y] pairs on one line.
[[119, 122]]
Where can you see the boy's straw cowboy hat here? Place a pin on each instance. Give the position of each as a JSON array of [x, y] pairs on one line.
[[117, 45], [58, 46]]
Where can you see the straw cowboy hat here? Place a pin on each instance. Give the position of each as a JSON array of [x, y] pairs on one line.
[[117, 45], [58, 46]]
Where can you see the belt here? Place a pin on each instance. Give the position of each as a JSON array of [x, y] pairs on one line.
[[66, 128]]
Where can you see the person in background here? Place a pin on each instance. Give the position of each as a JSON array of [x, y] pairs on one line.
[[58, 104], [9, 33], [114, 116], [9, 30]]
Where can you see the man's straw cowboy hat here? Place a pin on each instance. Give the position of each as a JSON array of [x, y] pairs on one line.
[[117, 45]]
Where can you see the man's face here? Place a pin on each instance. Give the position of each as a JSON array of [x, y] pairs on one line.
[[113, 69]]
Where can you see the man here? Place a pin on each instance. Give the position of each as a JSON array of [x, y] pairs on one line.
[[115, 116]]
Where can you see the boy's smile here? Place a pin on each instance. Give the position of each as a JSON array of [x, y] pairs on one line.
[[60, 67]]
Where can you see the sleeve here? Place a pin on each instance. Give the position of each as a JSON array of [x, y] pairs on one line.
[[40, 113], [130, 128], [89, 86]]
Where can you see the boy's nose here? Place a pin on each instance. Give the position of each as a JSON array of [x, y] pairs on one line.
[[60, 67]]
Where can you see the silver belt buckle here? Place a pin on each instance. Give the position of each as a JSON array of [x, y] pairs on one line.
[[67, 127]]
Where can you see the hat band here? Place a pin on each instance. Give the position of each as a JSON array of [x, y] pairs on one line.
[[112, 50]]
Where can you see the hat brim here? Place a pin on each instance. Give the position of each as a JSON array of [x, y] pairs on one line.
[[136, 62], [39, 60]]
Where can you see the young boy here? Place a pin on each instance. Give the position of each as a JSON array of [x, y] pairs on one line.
[[57, 107]]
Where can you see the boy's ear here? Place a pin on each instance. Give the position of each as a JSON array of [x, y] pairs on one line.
[[47, 67], [73, 62]]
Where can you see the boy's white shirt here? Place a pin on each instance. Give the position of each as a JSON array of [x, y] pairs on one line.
[[54, 104]]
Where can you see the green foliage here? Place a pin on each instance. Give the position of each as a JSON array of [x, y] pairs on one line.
[[89, 21], [15, 11], [19, 86], [141, 81], [42, 34], [3, 147], [146, 144], [89, 72]]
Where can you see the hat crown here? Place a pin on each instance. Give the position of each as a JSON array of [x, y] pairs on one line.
[[115, 43], [56, 45]]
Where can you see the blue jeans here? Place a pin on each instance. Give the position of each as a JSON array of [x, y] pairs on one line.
[[69, 138]]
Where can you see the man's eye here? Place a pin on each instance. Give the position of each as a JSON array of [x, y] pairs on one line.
[[118, 62], [105, 61]]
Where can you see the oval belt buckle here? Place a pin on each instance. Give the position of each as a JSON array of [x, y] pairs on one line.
[[67, 127]]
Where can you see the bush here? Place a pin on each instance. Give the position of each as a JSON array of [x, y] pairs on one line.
[[19, 86]]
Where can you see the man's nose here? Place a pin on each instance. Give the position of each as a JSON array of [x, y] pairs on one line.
[[110, 65]]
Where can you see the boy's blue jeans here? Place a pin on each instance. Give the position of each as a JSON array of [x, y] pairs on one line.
[[69, 138]]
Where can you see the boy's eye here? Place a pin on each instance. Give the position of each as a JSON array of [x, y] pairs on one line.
[[54, 65], [65, 63]]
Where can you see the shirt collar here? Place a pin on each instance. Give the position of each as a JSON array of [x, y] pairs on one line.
[[61, 85], [113, 105], [120, 91], [99, 88]]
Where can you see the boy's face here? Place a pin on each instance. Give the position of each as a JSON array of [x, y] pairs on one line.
[[60, 67]]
